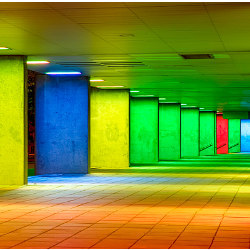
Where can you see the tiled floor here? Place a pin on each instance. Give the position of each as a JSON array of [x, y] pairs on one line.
[[187, 206]]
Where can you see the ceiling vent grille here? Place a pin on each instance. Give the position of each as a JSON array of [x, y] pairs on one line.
[[197, 56]]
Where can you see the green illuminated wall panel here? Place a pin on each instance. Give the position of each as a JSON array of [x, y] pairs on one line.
[[207, 133], [109, 129], [189, 132], [143, 130], [13, 122], [169, 131], [233, 135]]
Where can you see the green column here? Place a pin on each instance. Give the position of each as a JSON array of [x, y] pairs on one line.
[[13, 121], [233, 135], [143, 130], [207, 133], [169, 131], [189, 132]]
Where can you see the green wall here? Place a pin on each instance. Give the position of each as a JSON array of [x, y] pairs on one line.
[[233, 135], [13, 121], [109, 128], [169, 131], [207, 133], [143, 130], [189, 132]]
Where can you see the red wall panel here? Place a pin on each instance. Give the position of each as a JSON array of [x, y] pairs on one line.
[[222, 134]]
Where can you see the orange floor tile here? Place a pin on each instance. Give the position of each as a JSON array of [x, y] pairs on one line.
[[148, 207]]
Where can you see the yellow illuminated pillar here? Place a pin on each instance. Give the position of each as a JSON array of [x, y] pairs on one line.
[[13, 122], [109, 129]]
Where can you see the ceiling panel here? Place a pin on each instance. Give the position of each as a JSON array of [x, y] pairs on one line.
[[153, 34]]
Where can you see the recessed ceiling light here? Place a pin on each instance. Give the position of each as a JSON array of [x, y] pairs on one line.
[[170, 102], [115, 86], [4, 48], [144, 96], [183, 104], [64, 73], [96, 80], [38, 62], [134, 91]]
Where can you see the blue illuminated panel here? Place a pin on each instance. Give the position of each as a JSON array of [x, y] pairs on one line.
[[245, 136]]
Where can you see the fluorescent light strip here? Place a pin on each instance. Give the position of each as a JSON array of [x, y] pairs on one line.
[[183, 104], [162, 98], [134, 91], [119, 86], [201, 108], [96, 80], [64, 73], [144, 95], [38, 62], [4, 48], [170, 102]]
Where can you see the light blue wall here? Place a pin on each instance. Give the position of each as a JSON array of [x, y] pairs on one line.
[[245, 136], [61, 125]]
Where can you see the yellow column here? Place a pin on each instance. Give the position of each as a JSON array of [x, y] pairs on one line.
[[109, 129], [13, 122]]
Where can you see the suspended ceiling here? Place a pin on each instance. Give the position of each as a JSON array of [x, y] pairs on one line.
[[138, 45]]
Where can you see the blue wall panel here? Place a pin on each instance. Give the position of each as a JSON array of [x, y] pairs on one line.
[[245, 136], [61, 125]]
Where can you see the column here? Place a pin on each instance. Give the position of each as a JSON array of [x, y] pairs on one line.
[[13, 120], [233, 135], [61, 124], [143, 130], [245, 135], [169, 131], [221, 134], [189, 132], [109, 134], [207, 133]]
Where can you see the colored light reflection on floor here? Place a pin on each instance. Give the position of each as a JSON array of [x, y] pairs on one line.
[[183, 205]]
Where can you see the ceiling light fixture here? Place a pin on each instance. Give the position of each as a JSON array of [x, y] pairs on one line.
[[115, 86], [38, 62], [4, 48], [170, 102], [96, 80], [134, 91], [64, 73], [162, 98], [144, 96], [201, 108], [183, 104]]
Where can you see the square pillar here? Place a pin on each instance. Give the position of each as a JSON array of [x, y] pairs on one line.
[[61, 124], [233, 135], [207, 133], [13, 120], [169, 131], [221, 134], [190, 124], [144, 130], [245, 135], [109, 134]]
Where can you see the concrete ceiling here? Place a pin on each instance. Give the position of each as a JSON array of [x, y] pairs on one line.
[[138, 45]]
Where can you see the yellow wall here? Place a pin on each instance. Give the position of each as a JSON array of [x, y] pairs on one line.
[[109, 129], [13, 150]]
